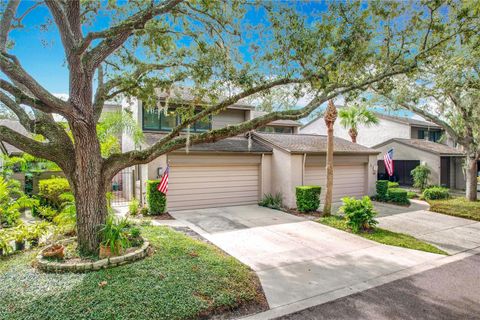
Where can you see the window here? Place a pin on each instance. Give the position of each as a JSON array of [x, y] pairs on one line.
[[434, 135], [272, 129], [154, 119]]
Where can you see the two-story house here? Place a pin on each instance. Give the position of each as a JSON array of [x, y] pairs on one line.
[[414, 142], [236, 172]]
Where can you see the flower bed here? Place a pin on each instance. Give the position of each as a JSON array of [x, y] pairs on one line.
[[57, 266]]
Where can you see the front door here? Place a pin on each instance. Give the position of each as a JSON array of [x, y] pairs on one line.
[[445, 171]]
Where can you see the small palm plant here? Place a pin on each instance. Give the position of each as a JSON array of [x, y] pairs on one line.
[[355, 116], [114, 234]]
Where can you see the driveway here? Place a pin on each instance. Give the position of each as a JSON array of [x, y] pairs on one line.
[[297, 259], [451, 234]]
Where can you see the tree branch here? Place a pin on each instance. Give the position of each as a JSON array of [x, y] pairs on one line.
[[38, 149], [115, 36], [63, 25], [6, 23]]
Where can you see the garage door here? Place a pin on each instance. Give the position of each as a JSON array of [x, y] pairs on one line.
[[203, 186], [348, 180]]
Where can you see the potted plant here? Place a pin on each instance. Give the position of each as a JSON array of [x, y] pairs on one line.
[[36, 231], [20, 234], [56, 251], [114, 235]]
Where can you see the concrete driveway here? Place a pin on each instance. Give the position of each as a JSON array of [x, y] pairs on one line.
[[297, 259], [451, 234]]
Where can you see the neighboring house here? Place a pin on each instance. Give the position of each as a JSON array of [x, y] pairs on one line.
[[236, 172], [389, 127], [445, 162], [414, 142]]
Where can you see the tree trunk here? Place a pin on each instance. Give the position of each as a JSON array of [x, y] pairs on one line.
[[327, 209], [353, 135], [471, 175], [89, 187]]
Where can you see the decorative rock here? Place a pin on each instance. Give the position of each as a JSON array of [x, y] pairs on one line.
[[58, 267]]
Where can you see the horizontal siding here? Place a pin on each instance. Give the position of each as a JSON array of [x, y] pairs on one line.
[[192, 187], [348, 180], [228, 118]]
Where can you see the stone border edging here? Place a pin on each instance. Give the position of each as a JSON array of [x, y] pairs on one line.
[[59, 267]]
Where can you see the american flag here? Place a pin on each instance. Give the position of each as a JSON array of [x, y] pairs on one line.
[[388, 159], [163, 185]]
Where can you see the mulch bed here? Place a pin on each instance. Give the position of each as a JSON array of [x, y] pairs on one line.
[[314, 215]]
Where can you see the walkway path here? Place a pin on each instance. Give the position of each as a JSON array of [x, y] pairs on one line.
[[451, 234]]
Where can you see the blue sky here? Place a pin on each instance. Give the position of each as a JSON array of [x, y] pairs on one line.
[[41, 53]]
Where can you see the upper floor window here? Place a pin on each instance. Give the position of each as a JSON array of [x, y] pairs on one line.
[[272, 129], [154, 119], [432, 135]]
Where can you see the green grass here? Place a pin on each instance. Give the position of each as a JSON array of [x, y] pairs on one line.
[[384, 236], [458, 207], [183, 279]]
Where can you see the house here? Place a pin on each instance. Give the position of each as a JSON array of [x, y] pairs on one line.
[[414, 142], [445, 162], [236, 171]]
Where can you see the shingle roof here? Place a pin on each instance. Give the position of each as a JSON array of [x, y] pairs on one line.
[[311, 143], [234, 144], [16, 126], [425, 145]]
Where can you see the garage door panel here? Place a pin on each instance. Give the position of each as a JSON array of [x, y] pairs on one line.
[[212, 194], [211, 179], [204, 186], [218, 186], [348, 180]]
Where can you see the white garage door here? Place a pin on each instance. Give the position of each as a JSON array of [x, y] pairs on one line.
[[348, 180], [203, 186]]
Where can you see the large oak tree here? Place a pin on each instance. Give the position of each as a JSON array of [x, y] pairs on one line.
[[224, 51]]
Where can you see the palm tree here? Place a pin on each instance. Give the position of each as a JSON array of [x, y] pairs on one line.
[[329, 117], [351, 118]]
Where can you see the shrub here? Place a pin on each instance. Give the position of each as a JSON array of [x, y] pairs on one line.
[[382, 189], [133, 207], [392, 184], [435, 193], [411, 194], [308, 198], [420, 176], [51, 191], [156, 201], [398, 195], [46, 212], [272, 201], [359, 214]]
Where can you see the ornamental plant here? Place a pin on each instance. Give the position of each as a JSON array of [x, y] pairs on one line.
[[359, 214], [398, 195], [156, 201], [308, 198], [51, 191], [420, 176]]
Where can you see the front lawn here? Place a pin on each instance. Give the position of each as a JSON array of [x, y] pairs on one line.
[[459, 207], [183, 279], [383, 236]]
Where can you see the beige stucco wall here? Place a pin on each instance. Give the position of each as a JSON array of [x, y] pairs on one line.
[[404, 152], [372, 170], [266, 175], [228, 117], [367, 136], [458, 173], [286, 173]]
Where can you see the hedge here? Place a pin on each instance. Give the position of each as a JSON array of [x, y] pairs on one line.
[[435, 193], [398, 195], [392, 184], [50, 191], [382, 189], [156, 201], [308, 198]]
